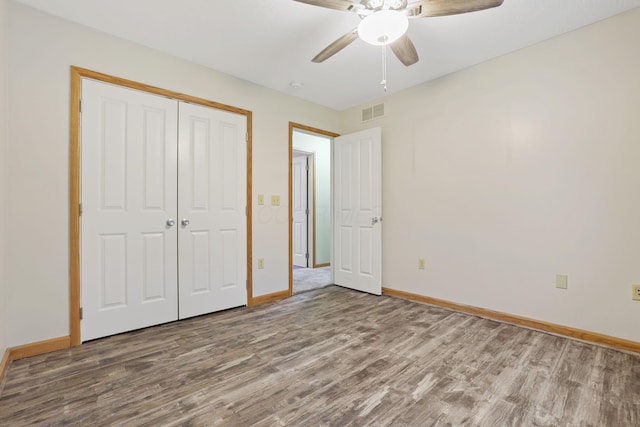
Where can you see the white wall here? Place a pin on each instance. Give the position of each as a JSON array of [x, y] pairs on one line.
[[4, 14], [507, 173], [41, 50], [321, 147]]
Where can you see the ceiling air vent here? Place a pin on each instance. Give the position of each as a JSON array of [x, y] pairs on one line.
[[373, 112]]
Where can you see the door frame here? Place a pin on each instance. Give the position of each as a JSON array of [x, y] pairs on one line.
[[304, 128], [77, 74]]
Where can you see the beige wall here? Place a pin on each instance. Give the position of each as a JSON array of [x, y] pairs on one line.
[[41, 50], [3, 174], [508, 173]]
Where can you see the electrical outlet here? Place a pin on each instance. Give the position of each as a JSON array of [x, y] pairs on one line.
[[260, 263], [421, 264], [635, 292], [562, 281], [275, 200], [260, 199]]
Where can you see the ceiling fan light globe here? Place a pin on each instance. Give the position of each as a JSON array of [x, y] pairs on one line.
[[383, 27]]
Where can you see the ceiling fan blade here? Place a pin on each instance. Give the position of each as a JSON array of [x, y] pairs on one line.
[[332, 4], [405, 50], [448, 7], [336, 46]]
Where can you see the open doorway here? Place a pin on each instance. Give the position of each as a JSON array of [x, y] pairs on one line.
[[310, 196]]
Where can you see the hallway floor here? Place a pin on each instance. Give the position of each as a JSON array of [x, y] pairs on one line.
[[307, 279]]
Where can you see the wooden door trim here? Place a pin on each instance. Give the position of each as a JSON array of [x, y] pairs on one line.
[[293, 127], [77, 74]]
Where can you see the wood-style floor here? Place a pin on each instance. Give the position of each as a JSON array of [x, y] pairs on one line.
[[327, 357]]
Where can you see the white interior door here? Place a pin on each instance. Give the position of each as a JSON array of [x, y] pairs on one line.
[[358, 211], [128, 250], [300, 210], [212, 210]]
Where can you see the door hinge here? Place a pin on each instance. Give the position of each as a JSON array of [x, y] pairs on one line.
[[307, 166], [80, 313], [247, 283], [306, 256], [246, 137], [80, 209], [80, 105], [306, 211], [246, 211]]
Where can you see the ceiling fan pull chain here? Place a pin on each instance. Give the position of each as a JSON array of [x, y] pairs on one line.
[[384, 67]]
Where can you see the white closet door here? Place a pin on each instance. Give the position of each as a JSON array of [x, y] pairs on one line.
[[129, 253], [212, 210], [358, 211]]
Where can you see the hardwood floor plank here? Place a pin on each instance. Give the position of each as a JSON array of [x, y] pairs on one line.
[[327, 357]]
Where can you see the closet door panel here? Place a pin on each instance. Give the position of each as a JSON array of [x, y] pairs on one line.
[[129, 191], [212, 198]]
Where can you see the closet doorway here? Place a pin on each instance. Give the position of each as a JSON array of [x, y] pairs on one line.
[[163, 225], [310, 200]]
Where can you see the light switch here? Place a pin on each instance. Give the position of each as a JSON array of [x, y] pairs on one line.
[[260, 199], [275, 200]]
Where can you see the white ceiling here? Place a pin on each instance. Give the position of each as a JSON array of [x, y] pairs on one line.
[[271, 42]]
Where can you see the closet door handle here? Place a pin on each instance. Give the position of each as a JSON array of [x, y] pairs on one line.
[[171, 222], [184, 222]]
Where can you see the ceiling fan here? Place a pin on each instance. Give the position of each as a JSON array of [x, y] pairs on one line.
[[385, 22]]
